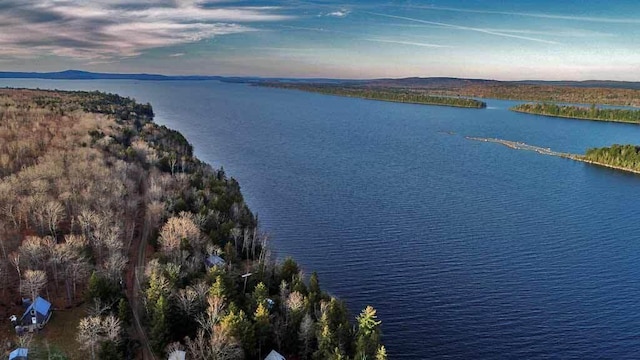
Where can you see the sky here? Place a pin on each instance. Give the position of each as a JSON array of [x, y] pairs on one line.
[[491, 39]]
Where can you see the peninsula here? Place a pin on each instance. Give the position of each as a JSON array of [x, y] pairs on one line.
[[142, 250], [580, 112], [383, 94], [619, 157]]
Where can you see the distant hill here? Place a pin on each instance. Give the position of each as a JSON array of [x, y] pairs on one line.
[[84, 75], [450, 83], [434, 83]]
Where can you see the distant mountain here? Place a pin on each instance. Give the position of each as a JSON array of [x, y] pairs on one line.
[[84, 75]]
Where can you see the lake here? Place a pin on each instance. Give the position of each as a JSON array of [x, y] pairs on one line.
[[466, 249]]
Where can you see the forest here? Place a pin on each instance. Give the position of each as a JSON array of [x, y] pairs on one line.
[[142, 249], [393, 95], [547, 93], [623, 156], [580, 112]]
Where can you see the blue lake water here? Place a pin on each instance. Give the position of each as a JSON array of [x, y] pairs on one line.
[[466, 249]]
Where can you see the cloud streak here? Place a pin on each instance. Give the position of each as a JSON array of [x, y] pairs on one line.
[[107, 29], [409, 43], [467, 28], [536, 15]]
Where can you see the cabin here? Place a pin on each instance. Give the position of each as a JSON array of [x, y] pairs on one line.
[[37, 314], [274, 355], [19, 354], [213, 260]]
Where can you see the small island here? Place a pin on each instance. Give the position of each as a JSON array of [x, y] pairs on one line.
[[580, 112], [385, 94]]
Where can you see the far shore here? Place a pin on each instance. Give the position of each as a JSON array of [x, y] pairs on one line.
[[573, 117]]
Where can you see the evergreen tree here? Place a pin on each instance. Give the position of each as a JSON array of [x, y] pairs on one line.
[[262, 327], [159, 335], [314, 290], [289, 269], [368, 334], [381, 354], [124, 311], [260, 295]]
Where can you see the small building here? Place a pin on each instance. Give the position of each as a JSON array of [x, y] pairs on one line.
[[213, 260], [19, 354], [274, 355], [37, 314]]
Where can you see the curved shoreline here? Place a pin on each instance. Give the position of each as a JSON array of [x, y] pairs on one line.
[[477, 103]]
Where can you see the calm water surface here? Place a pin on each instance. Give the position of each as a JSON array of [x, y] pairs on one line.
[[468, 250]]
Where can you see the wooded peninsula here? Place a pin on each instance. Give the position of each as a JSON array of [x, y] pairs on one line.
[[580, 112], [122, 244], [392, 95], [626, 157]]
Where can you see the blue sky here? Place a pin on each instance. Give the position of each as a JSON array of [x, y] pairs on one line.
[[574, 40]]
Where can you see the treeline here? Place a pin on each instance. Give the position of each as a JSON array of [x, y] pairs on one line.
[[580, 112], [394, 95], [544, 93], [624, 156], [80, 189]]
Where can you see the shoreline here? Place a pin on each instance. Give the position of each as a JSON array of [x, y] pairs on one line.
[[483, 105], [574, 117]]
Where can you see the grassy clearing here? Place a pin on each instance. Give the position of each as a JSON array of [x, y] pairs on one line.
[[58, 336]]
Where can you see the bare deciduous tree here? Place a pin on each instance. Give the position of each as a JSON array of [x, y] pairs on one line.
[[93, 330], [306, 335], [14, 259], [174, 232], [33, 282], [53, 213]]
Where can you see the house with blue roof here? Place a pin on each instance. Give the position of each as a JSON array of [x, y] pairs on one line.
[[19, 354], [37, 314], [213, 260]]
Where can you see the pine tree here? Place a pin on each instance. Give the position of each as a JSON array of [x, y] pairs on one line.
[[262, 326], [368, 334], [159, 335]]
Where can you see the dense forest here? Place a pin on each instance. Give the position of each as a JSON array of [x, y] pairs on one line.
[[142, 249], [394, 95], [586, 93], [623, 156], [548, 93], [580, 112]]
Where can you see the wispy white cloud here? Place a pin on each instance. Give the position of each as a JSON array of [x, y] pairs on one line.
[[537, 15], [409, 43], [339, 13], [467, 28], [105, 29]]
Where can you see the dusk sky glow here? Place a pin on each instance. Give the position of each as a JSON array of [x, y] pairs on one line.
[[515, 40]]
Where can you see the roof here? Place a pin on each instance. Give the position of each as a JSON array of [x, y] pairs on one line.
[[213, 260], [274, 355], [41, 306], [19, 352]]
